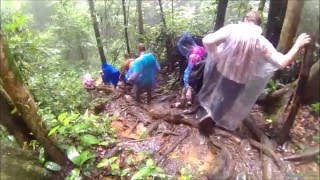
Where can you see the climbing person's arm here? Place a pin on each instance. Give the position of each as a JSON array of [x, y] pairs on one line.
[[212, 41], [283, 60]]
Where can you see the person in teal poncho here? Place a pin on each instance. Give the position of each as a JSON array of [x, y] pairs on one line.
[[143, 73]]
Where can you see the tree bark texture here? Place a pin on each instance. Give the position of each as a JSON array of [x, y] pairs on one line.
[[140, 20], [312, 88], [222, 7], [277, 10], [96, 31], [13, 122], [125, 24], [290, 25], [25, 103], [298, 95]]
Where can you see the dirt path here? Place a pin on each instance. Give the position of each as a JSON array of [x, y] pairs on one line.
[[156, 129]]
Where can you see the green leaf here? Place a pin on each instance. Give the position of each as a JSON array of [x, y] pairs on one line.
[[42, 158], [89, 139], [103, 163], [74, 155], [62, 116], [67, 120], [53, 130], [150, 163], [86, 155], [14, 110], [52, 166], [74, 174], [143, 172]]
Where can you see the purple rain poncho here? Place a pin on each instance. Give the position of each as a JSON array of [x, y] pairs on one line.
[[236, 73]]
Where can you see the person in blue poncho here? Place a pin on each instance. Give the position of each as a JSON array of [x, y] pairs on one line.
[[143, 73], [110, 74]]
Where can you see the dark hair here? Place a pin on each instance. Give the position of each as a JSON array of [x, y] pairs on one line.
[[127, 55], [141, 47], [253, 16]]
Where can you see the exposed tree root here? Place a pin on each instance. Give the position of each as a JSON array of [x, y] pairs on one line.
[[269, 152], [161, 158], [310, 154], [226, 164]]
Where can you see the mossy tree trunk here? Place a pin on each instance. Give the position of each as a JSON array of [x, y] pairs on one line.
[[140, 20], [125, 24], [24, 102]]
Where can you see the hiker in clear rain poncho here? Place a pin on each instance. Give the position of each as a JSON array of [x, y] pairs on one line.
[[194, 54], [143, 74], [239, 65]]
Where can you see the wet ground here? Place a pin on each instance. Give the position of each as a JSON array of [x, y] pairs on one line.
[[145, 128]]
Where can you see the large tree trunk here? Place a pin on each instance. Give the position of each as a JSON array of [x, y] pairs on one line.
[[222, 7], [13, 122], [96, 31], [277, 10], [24, 102], [290, 25], [298, 95], [140, 20], [312, 89], [125, 24]]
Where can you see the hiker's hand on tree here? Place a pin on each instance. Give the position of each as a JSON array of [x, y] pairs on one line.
[[303, 40]]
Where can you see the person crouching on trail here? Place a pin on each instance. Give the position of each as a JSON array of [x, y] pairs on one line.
[[143, 73], [124, 69], [195, 54], [239, 65]]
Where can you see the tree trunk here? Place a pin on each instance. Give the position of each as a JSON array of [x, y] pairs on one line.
[[277, 10], [261, 5], [290, 25], [125, 24], [312, 88], [297, 97], [13, 122], [162, 15], [24, 102], [96, 31], [222, 7], [140, 20]]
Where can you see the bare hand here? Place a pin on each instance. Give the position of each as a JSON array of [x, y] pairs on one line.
[[303, 40]]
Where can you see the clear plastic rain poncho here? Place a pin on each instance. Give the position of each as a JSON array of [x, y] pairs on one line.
[[146, 67], [236, 73], [186, 44]]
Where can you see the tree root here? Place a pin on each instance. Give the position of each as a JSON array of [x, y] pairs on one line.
[[269, 152], [310, 154], [226, 164], [161, 158]]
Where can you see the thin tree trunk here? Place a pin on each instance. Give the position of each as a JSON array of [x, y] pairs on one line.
[[277, 10], [140, 20], [125, 24], [298, 95], [222, 7], [96, 31], [162, 15], [261, 5], [24, 102], [290, 25]]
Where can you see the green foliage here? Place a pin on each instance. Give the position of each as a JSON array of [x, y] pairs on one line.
[[186, 173], [113, 165], [316, 107], [272, 85], [149, 170]]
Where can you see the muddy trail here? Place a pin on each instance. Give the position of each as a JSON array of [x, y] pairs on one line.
[[171, 138]]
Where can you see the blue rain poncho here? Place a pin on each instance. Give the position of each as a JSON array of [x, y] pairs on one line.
[[110, 74], [186, 44], [144, 69]]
